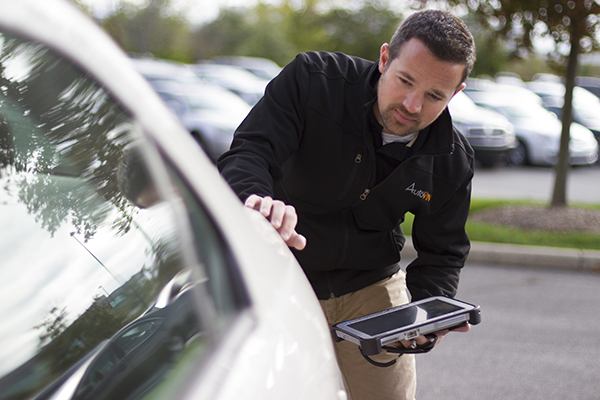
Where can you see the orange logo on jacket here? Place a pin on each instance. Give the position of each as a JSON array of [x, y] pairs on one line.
[[419, 193]]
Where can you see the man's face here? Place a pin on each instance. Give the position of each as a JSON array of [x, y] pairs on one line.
[[414, 88]]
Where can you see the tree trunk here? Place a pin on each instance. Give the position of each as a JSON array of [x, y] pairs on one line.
[[559, 195]]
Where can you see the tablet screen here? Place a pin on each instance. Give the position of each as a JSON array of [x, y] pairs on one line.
[[404, 317]]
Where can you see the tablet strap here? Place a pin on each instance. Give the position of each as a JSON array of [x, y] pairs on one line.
[[424, 348]]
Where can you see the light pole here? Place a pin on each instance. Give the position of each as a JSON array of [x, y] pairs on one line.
[[102, 287], [96, 258]]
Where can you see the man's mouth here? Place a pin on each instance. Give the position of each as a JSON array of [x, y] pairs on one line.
[[404, 118]]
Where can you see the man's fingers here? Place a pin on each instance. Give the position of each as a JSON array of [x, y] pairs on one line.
[[287, 222], [421, 340], [297, 241], [266, 207], [464, 328], [280, 213], [253, 201], [281, 216], [287, 227], [441, 334]]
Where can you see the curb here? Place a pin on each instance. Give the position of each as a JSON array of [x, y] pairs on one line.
[[526, 256]]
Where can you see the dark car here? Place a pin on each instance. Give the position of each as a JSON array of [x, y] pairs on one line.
[[135, 358]]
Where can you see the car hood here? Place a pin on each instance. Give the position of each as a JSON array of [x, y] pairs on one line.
[[545, 126], [580, 132], [482, 116]]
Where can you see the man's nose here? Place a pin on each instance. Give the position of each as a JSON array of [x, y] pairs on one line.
[[413, 102]]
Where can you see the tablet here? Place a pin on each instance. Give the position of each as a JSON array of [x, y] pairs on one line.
[[406, 322]]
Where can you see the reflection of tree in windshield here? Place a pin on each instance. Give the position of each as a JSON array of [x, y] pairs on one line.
[[62, 139], [74, 130]]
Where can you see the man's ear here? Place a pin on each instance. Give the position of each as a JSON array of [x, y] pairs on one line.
[[384, 56], [461, 87]]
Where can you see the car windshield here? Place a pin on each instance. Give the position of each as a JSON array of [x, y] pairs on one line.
[[91, 237]]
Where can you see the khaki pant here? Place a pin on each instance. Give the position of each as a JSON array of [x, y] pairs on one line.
[[363, 380]]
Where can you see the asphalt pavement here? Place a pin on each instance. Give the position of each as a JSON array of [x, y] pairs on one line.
[[536, 183], [540, 309], [538, 339]]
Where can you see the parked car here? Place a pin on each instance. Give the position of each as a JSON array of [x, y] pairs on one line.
[[210, 113], [236, 79], [586, 106], [537, 130], [127, 262], [261, 67], [490, 134], [508, 87], [509, 78], [589, 83], [158, 70], [129, 364]]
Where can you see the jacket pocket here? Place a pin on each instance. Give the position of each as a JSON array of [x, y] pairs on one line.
[[358, 159]]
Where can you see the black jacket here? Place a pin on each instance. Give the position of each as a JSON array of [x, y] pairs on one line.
[[308, 142]]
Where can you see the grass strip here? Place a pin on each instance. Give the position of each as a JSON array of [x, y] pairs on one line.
[[493, 233]]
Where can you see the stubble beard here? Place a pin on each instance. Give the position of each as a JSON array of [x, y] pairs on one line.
[[391, 124]]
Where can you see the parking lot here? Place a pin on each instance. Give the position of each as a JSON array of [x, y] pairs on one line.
[[538, 339], [536, 183], [131, 270]]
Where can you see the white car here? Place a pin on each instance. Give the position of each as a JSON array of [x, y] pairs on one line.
[[129, 269], [261, 67], [537, 130], [158, 70], [245, 84], [586, 106], [490, 134]]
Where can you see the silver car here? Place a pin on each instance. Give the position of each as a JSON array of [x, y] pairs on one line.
[[211, 113], [490, 134], [243, 83], [586, 106], [129, 269], [537, 130]]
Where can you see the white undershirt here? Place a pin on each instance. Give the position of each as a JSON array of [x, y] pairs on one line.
[[389, 138]]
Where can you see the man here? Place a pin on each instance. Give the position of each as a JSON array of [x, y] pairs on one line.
[[347, 147]]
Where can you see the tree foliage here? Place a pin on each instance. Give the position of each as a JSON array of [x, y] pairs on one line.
[[147, 28], [573, 25], [277, 32]]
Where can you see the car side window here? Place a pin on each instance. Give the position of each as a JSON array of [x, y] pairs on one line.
[[106, 252]]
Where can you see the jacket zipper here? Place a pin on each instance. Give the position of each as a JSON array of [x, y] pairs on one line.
[[357, 161]]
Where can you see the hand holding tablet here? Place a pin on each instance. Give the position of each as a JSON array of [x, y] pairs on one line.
[[412, 321]]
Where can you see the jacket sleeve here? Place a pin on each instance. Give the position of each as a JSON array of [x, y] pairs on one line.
[[442, 247], [269, 134]]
